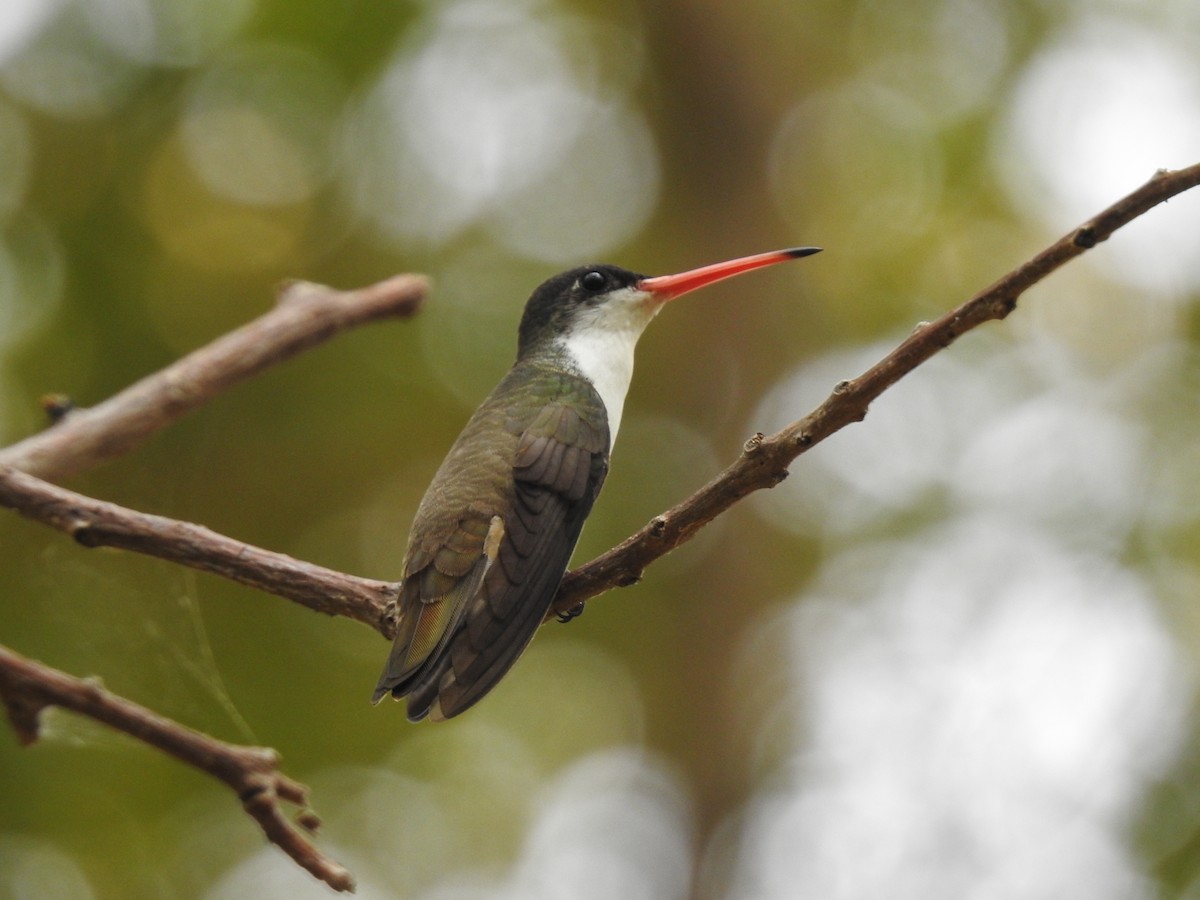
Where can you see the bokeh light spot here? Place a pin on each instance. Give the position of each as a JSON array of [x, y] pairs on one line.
[[257, 123], [1031, 431], [21, 21], [16, 157], [949, 59], [494, 114], [868, 134], [1094, 115], [167, 32], [597, 196], [981, 710], [32, 276], [616, 824], [210, 233], [37, 870], [1091, 482], [66, 73]]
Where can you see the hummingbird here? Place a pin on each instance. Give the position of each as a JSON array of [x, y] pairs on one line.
[[496, 528]]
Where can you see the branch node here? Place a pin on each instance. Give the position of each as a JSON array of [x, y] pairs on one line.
[[257, 792], [83, 533], [842, 387], [754, 444], [629, 579], [291, 791], [25, 716], [389, 618], [295, 290], [57, 407], [1085, 237], [658, 526], [266, 759]]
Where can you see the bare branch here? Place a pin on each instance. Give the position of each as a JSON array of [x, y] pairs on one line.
[[306, 314], [28, 687], [765, 460], [763, 464], [95, 523]]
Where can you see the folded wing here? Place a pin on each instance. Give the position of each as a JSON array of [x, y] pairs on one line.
[[475, 594]]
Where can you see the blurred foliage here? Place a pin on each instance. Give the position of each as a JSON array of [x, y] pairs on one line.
[[951, 657]]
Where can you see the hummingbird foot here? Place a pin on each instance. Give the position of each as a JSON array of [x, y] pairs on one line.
[[573, 613]]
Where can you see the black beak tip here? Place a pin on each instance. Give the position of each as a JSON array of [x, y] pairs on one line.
[[797, 252]]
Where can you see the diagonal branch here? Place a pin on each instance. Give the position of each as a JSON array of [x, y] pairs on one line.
[[28, 687], [306, 315], [765, 460]]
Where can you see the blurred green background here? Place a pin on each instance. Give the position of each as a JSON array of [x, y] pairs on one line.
[[952, 656]]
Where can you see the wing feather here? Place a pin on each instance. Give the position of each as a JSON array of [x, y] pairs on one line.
[[431, 605]]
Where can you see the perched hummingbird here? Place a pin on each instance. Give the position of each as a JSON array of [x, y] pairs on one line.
[[496, 528]]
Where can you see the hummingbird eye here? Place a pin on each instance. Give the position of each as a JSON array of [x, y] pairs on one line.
[[593, 281]]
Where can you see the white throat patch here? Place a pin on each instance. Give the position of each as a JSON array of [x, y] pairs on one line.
[[601, 345]]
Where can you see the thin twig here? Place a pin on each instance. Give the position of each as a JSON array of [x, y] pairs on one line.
[[306, 314], [765, 460], [28, 687], [95, 523]]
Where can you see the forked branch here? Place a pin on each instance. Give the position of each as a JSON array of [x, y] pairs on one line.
[[27, 688]]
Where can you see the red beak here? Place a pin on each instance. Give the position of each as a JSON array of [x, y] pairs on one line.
[[668, 287]]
